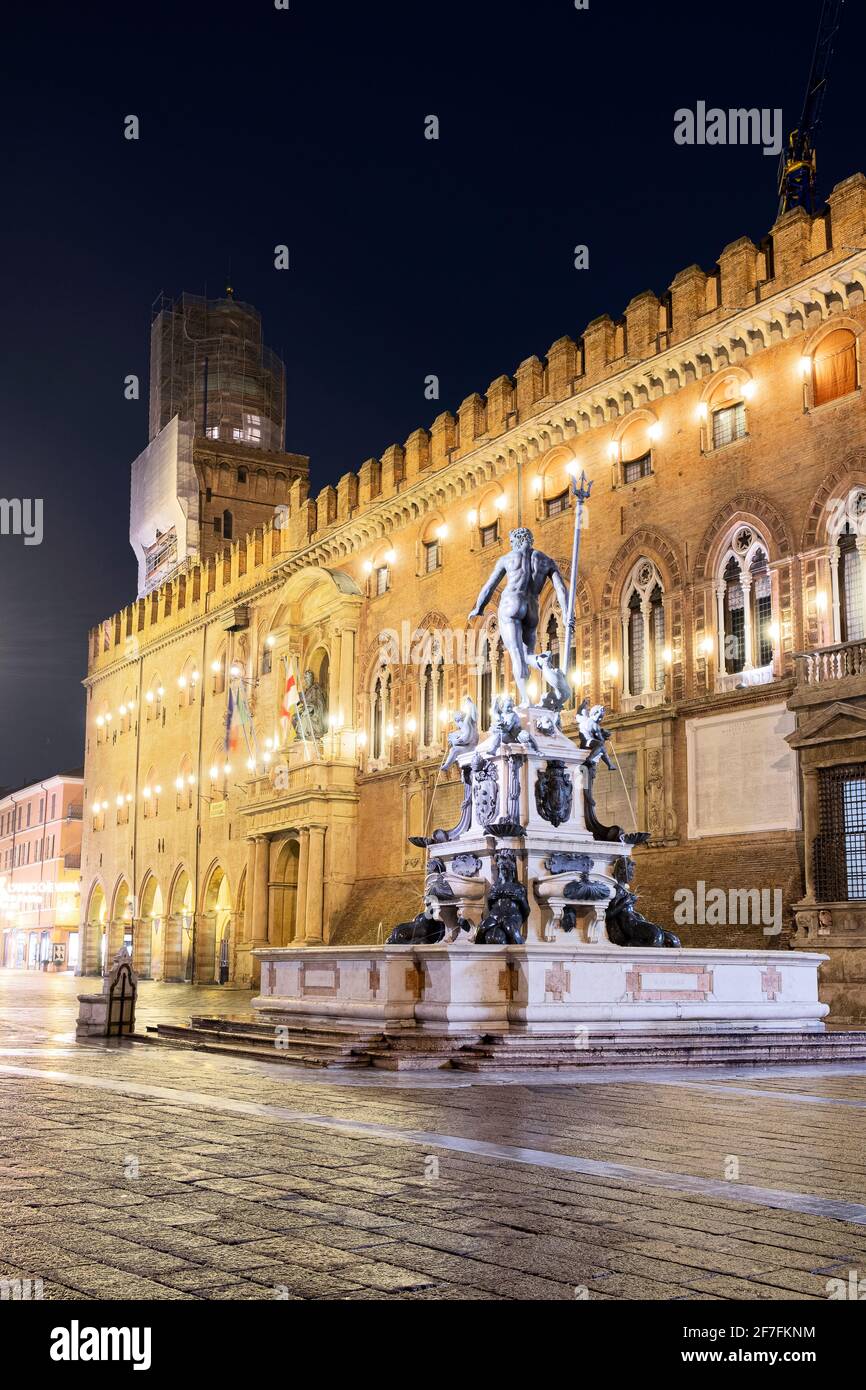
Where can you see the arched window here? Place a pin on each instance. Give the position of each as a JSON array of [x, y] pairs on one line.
[[432, 701], [491, 680], [184, 785], [187, 683], [635, 451], [98, 809], [126, 712], [218, 668], [122, 802], [744, 593], [489, 517], [153, 698], [643, 622], [103, 723], [218, 773], [847, 562], [725, 412], [834, 367], [150, 794], [432, 545], [381, 706]]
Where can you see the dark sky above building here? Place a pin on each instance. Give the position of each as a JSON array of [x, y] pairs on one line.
[[409, 256]]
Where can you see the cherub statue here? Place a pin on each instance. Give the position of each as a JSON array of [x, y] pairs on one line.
[[506, 727], [592, 735], [465, 736]]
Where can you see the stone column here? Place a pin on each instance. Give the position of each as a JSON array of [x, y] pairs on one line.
[[835, 597], [172, 947], [250, 889], [315, 886], [260, 897], [720, 624], [811, 826], [301, 895], [646, 609], [746, 586], [141, 945]]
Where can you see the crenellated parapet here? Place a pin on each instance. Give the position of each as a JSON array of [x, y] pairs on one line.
[[756, 296]]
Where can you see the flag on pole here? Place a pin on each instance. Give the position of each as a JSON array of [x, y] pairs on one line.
[[246, 723], [290, 702], [232, 737]]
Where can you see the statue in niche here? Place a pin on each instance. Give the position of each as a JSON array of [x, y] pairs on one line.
[[525, 571], [465, 736], [507, 905], [311, 716], [625, 925]]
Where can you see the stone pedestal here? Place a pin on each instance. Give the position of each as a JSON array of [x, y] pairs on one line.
[[566, 980], [540, 988]]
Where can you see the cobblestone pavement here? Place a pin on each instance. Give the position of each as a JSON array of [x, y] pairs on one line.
[[146, 1172]]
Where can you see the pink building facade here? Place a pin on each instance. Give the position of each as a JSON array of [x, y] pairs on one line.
[[40, 873]]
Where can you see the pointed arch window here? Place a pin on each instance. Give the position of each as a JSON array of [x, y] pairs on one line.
[[745, 612], [643, 619], [852, 616], [380, 714]]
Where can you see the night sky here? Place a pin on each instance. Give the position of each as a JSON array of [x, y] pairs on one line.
[[408, 256]]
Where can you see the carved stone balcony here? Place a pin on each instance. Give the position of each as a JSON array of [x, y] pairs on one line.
[[834, 673]]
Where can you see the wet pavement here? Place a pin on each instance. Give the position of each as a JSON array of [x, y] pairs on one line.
[[131, 1170]]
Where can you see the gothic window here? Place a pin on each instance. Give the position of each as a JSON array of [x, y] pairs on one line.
[[643, 619], [381, 729], [745, 599], [851, 607], [432, 700]]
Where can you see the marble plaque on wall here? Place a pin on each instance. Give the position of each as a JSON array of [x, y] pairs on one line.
[[742, 776], [612, 797]]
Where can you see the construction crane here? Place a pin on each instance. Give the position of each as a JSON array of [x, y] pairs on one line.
[[797, 166]]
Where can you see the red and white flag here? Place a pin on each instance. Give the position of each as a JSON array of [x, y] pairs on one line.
[[290, 702]]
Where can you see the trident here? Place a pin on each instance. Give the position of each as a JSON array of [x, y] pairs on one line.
[[581, 489]]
